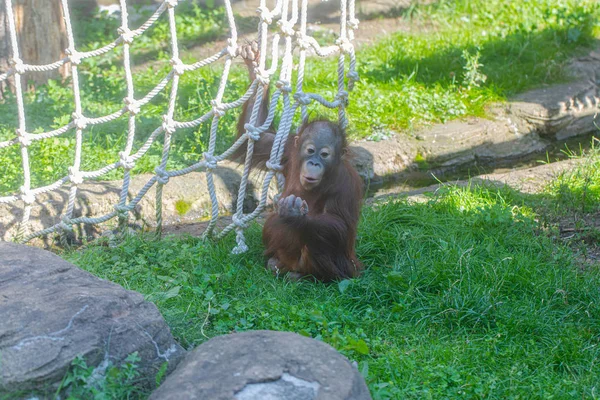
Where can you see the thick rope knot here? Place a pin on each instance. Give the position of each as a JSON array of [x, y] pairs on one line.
[[75, 176], [302, 41], [262, 76], [353, 76], [23, 137], [131, 105], [274, 166], [122, 211], [217, 108], [210, 160], [162, 176], [171, 3], [79, 121], [232, 48], [353, 23], [253, 132], [178, 66], [17, 65], [168, 125], [66, 224], [241, 247], [126, 161], [284, 86], [265, 15], [127, 35], [27, 196], [302, 98], [74, 56], [345, 45], [239, 222], [286, 28], [342, 96]]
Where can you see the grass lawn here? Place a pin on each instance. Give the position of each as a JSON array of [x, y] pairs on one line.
[[472, 294], [465, 55], [461, 56]]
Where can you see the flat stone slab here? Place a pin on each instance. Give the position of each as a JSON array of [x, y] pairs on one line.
[[266, 365], [53, 311]]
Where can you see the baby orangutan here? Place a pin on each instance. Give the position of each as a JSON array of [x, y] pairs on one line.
[[313, 231]]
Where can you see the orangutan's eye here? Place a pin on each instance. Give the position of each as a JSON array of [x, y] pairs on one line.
[[324, 154], [310, 150]]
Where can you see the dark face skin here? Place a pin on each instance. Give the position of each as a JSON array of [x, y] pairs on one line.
[[318, 152]]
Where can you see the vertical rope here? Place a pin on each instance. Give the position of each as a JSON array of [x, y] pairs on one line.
[[218, 111], [22, 136], [238, 221], [79, 122], [352, 26], [285, 77], [341, 66], [133, 108], [302, 58], [162, 177]]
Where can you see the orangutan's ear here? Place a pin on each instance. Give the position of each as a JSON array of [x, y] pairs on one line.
[[296, 139]]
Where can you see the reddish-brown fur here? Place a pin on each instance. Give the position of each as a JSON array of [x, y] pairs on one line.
[[321, 243]]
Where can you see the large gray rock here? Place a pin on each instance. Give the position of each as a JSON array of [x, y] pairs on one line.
[[266, 365], [52, 311]]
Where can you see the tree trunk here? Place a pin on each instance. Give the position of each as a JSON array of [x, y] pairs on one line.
[[4, 50], [41, 36]]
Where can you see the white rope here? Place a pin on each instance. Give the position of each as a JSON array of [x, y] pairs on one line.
[[286, 15]]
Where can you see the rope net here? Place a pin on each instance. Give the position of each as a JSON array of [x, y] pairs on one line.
[[290, 17]]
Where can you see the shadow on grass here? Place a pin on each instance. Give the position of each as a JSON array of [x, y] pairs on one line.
[[512, 64], [195, 26], [394, 11]]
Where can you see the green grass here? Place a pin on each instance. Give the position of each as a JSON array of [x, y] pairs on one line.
[[571, 204], [578, 191], [467, 54], [463, 296], [427, 75], [117, 382]]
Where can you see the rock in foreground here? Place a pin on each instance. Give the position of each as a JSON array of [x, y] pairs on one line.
[[52, 311], [264, 365]]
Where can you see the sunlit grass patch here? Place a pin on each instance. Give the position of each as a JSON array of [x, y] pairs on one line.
[[462, 296]]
